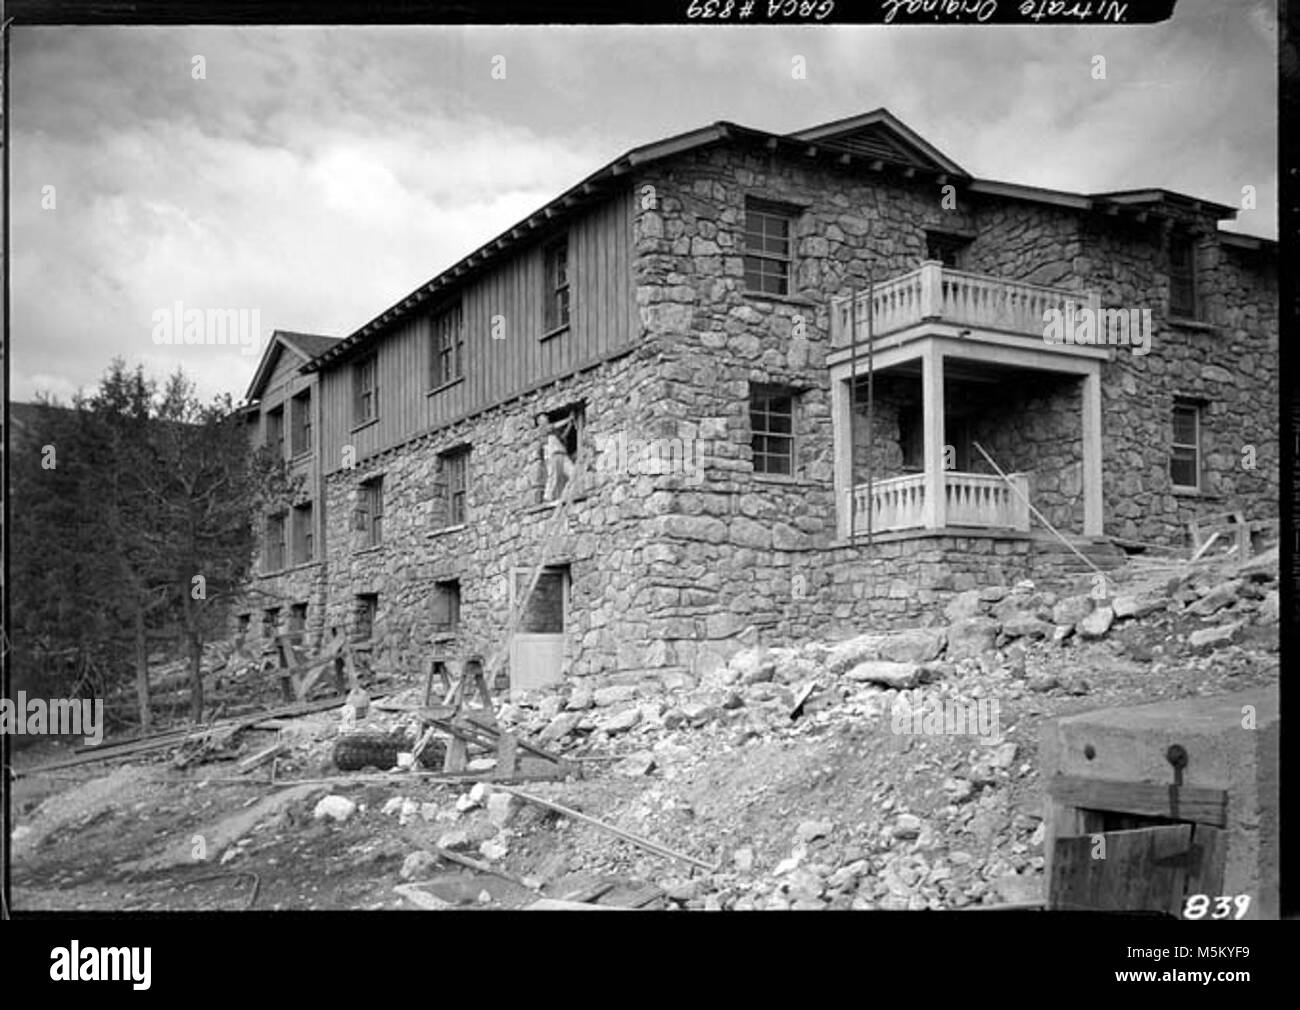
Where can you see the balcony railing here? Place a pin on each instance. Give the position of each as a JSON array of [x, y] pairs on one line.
[[935, 293], [971, 499]]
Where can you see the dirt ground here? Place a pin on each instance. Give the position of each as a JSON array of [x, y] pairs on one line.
[[827, 810]]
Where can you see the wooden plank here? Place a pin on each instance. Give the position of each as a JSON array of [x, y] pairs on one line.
[[1187, 803], [1122, 871], [1207, 878]]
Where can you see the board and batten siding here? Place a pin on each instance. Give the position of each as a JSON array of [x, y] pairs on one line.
[[507, 299]]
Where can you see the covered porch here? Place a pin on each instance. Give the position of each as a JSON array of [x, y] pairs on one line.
[[958, 362]]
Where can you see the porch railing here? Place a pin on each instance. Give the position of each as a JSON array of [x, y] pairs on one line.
[[971, 499], [934, 292]]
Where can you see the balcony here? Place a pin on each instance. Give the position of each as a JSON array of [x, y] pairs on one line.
[[966, 301], [976, 500]]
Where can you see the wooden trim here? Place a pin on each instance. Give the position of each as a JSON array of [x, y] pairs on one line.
[[1149, 799]]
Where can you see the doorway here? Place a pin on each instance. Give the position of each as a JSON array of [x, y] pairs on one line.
[[537, 650]]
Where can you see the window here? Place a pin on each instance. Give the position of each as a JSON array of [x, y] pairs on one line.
[[273, 553], [767, 248], [455, 485], [301, 423], [241, 630], [270, 622], [1182, 275], [771, 416], [364, 612], [369, 515], [447, 336], [365, 390], [946, 247], [561, 436], [302, 534], [557, 285], [1185, 452], [275, 432], [446, 605], [297, 622]]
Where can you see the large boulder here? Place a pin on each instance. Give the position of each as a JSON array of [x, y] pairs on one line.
[[964, 605], [915, 645], [1026, 626], [971, 637], [1220, 596], [896, 675], [1072, 609], [1096, 623]]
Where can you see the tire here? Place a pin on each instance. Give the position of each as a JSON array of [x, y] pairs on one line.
[[355, 751]]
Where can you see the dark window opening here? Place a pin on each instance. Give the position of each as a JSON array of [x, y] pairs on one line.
[[303, 534], [275, 432], [274, 546], [562, 434], [1182, 276], [301, 423], [365, 390], [947, 248], [370, 512], [365, 610], [455, 485], [446, 605]]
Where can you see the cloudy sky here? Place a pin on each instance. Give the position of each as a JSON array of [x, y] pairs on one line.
[[320, 174]]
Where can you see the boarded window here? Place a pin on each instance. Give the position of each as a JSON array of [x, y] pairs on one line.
[[302, 423], [1185, 452], [446, 605], [273, 548], [447, 337], [275, 432], [365, 390], [1182, 276], [767, 248], [557, 285], [771, 417], [303, 538]]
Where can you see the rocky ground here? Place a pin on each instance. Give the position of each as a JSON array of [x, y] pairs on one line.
[[818, 775]]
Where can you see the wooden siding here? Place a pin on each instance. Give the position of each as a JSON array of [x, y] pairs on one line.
[[603, 318]]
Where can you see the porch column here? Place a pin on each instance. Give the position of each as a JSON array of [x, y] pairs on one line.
[[841, 420], [932, 432], [1092, 500]]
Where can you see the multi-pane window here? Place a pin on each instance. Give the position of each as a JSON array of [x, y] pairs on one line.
[[446, 605], [557, 285], [365, 390], [771, 418], [1182, 275], [369, 516], [275, 432], [767, 248], [1185, 450], [303, 545], [447, 346], [301, 420], [273, 554], [455, 483]]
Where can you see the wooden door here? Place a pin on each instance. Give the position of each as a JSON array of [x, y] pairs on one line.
[[1147, 869], [537, 650]]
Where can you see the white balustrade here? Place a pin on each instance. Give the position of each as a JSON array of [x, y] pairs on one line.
[[971, 499]]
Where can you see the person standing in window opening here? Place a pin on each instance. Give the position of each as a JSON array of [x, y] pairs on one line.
[[559, 466]]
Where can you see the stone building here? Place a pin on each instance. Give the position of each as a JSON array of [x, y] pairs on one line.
[[788, 369]]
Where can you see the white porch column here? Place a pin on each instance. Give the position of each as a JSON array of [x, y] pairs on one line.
[[932, 432], [841, 422], [1092, 500]]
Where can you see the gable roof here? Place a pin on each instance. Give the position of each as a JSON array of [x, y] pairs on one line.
[[303, 346], [880, 134], [873, 138]]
